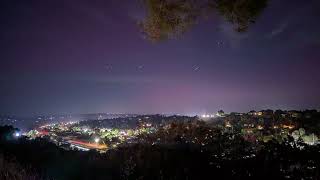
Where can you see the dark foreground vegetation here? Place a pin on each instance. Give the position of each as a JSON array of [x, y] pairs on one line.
[[188, 150]]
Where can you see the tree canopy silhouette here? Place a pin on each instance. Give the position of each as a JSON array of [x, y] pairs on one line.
[[240, 12], [167, 19]]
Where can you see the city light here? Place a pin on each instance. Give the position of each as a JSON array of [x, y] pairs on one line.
[[207, 115], [17, 134], [96, 140]]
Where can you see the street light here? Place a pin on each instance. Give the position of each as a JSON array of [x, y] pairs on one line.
[[96, 140], [17, 134]]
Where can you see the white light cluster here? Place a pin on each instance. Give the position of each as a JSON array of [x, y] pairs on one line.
[[207, 116]]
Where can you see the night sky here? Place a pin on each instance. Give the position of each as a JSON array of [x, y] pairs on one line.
[[87, 56]]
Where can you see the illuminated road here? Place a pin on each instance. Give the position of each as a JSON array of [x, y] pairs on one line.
[[88, 145]]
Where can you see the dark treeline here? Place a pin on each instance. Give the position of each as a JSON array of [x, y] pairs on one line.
[[224, 156]]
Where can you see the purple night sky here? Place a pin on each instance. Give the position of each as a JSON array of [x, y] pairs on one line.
[[86, 56]]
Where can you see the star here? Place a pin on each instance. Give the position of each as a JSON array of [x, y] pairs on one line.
[[140, 67], [108, 67], [196, 68], [220, 43]]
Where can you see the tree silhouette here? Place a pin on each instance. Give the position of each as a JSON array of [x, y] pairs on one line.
[[167, 19], [240, 12]]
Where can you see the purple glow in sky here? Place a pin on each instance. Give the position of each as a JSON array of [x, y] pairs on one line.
[[81, 56]]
